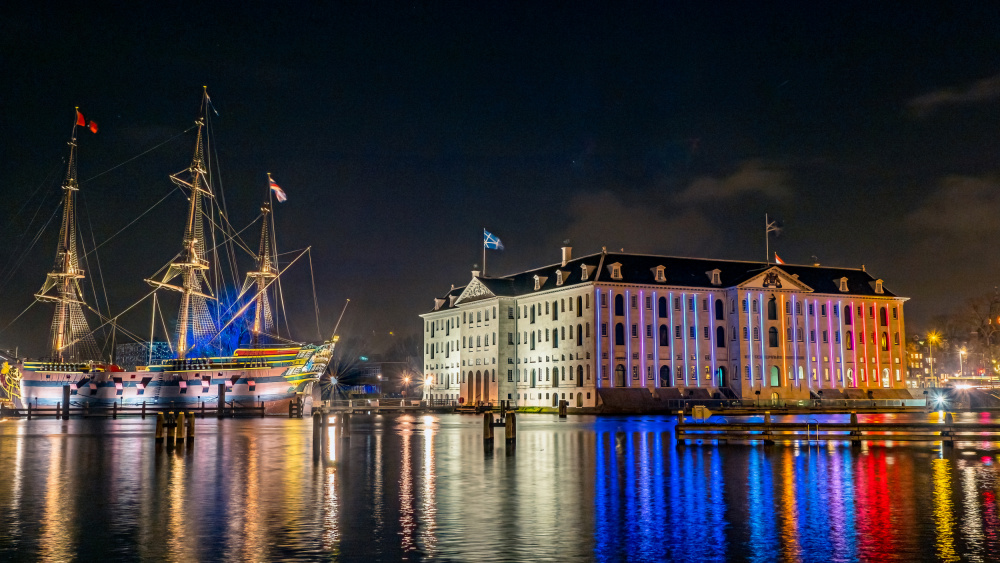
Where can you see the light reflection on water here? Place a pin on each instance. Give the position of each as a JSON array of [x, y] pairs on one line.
[[425, 487]]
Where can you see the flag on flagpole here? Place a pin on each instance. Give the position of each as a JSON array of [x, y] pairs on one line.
[[490, 241], [93, 127], [278, 192], [80, 120], [777, 259]]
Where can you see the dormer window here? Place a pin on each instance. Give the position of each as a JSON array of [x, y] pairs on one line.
[[438, 302], [661, 274], [585, 273], [451, 300], [538, 283], [843, 285], [715, 276], [616, 270], [878, 286], [559, 277]]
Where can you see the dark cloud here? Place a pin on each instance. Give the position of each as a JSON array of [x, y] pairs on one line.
[[981, 91], [752, 178], [963, 207]]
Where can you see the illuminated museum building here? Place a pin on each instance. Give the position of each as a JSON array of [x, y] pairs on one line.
[[687, 327]]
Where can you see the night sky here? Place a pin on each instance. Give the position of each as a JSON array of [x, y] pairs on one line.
[[400, 131]]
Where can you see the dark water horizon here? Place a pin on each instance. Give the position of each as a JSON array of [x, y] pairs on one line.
[[423, 487]]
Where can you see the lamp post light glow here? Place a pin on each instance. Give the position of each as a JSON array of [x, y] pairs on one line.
[[933, 338]]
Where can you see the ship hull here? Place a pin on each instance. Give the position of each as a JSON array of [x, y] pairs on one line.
[[266, 385]]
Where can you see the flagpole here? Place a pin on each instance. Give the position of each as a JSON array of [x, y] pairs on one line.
[[767, 239], [484, 252]]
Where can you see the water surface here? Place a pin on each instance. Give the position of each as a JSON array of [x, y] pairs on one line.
[[425, 488]]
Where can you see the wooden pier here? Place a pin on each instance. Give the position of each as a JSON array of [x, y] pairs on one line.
[[115, 410], [855, 432]]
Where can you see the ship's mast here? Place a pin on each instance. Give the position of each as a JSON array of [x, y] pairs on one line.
[[262, 319], [193, 318], [70, 336]]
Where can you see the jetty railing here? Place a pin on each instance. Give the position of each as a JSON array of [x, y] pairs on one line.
[[115, 410], [853, 431]]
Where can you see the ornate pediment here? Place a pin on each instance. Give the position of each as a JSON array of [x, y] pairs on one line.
[[474, 291], [775, 278]]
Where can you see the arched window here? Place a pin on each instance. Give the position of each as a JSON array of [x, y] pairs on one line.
[[754, 305], [533, 376], [850, 377], [664, 376], [555, 338], [775, 376], [850, 338], [661, 307], [772, 337], [772, 309], [883, 317], [720, 337], [895, 338], [579, 335], [848, 315], [719, 310], [884, 341], [532, 340], [619, 334], [579, 376], [555, 310], [619, 304], [579, 306], [664, 336]]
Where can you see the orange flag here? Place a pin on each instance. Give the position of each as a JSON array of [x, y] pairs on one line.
[[93, 127], [80, 120]]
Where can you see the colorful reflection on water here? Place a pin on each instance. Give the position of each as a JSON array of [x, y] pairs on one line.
[[425, 488]]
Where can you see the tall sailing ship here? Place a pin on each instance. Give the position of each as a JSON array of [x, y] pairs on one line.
[[266, 369]]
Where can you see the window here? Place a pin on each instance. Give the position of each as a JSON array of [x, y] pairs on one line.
[[661, 275], [619, 304], [812, 336], [649, 302], [720, 337], [824, 337], [772, 337], [883, 317], [677, 303], [619, 334], [691, 304], [895, 339], [510, 338], [704, 304], [843, 285], [663, 335], [772, 309], [719, 311], [799, 332], [812, 311], [616, 271], [604, 300], [756, 334], [836, 335], [579, 306], [744, 333], [893, 313], [635, 300], [822, 310], [836, 310], [579, 335], [661, 307], [849, 340], [744, 305], [588, 331], [510, 312], [546, 335], [583, 272], [604, 329], [635, 331], [555, 310], [754, 305], [532, 314], [690, 332], [798, 308], [848, 317], [884, 341], [788, 334], [788, 308], [677, 331], [705, 333], [510, 376], [649, 331], [555, 338]]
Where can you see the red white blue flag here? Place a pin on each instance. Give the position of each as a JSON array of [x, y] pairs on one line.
[[777, 259], [278, 192]]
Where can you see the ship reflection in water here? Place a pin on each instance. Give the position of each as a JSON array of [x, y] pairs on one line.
[[423, 487]]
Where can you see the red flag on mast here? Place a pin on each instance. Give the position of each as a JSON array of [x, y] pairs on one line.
[[93, 127], [80, 120]]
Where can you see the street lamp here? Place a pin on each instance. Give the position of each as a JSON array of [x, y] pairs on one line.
[[932, 339], [961, 362]]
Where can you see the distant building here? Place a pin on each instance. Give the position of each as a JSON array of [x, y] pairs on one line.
[[674, 326], [919, 373]]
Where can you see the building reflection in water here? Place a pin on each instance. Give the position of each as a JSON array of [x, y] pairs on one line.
[[417, 488]]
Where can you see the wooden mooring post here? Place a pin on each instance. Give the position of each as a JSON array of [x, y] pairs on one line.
[[65, 402], [181, 427], [190, 428], [510, 427], [768, 440], [562, 408], [222, 400], [488, 428], [159, 427], [317, 435], [948, 434]]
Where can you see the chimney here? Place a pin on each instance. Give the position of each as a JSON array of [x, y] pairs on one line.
[[475, 273], [567, 255]]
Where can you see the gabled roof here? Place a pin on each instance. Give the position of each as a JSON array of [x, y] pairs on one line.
[[681, 272]]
